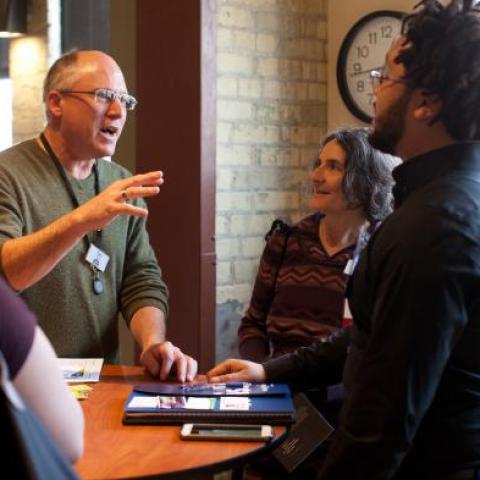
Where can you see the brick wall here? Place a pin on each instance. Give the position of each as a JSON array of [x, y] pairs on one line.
[[271, 109]]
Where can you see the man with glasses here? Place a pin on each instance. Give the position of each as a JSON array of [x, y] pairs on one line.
[[412, 373], [73, 239]]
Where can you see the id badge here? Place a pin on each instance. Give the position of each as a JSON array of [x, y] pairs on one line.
[[310, 430], [97, 258]]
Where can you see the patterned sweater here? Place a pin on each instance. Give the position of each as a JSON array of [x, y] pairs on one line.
[[298, 303]]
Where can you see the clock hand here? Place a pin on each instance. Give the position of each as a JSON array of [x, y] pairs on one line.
[[365, 71]]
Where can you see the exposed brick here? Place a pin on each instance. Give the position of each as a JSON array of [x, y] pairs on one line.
[[222, 225], [234, 110], [223, 131], [267, 22], [267, 112], [266, 43], [274, 201], [224, 273], [223, 178], [235, 154], [259, 4], [227, 86], [243, 225], [245, 270], [234, 202], [241, 293], [267, 67], [226, 248], [252, 247], [291, 69], [294, 135], [230, 16], [303, 48], [281, 157], [273, 89], [250, 88], [243, 41], [234, 63], [248, 133], [224, 38]]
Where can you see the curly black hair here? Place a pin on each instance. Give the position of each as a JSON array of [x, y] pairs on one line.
[[368, 180], [442, 57]]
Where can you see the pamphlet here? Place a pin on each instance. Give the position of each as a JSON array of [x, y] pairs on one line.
[[81, 370]]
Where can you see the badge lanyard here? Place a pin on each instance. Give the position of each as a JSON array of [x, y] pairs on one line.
[[96, 257]]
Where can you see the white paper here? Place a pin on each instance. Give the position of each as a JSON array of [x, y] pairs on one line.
[[81, 370], [143, 402], [199, 403], [234, 403]]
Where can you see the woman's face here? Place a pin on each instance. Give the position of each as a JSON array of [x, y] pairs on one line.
[[327, 180]]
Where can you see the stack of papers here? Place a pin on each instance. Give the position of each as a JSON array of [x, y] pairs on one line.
[[81, 370]]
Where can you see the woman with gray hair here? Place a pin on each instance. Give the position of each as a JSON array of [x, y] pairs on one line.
[[299, 291]]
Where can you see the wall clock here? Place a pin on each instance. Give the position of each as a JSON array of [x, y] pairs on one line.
[[363, 50]]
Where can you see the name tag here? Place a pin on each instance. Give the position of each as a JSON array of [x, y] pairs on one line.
[[97, 258]]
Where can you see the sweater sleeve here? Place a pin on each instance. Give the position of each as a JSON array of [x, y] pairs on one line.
[[142, 283], [252, 333]]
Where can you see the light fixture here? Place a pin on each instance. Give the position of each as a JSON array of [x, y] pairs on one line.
[[13, 18]]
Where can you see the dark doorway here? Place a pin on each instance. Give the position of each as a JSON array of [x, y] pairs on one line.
[[86, 25]]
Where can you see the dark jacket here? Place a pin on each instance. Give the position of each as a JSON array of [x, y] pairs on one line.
[[413, 370]]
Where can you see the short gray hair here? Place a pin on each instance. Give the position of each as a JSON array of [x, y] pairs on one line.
[[368, 176], [62, 74]]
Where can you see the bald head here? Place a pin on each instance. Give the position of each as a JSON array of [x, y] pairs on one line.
[[73, 65]]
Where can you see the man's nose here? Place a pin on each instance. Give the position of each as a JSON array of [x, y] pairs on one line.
[[116, 108]]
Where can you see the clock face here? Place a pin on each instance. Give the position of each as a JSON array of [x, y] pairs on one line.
[[363, 50]]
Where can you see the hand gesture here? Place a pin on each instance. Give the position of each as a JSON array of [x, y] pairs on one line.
[[237, 371], [113, 201], [159, 359]]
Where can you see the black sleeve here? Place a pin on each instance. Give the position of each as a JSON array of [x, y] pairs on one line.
[[419, 314], [317, 365]]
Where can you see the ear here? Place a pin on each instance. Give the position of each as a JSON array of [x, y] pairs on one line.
[[54, 104], [427, 107]]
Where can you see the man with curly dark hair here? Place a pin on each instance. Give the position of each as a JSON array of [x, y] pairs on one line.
[[412, 373], [413, 369]]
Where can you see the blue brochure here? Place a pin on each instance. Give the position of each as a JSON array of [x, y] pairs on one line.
[[241, 389]]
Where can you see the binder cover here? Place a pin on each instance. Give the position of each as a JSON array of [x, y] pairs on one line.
[[145, 408]]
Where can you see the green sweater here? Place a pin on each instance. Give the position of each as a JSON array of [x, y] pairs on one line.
[[78, 322]]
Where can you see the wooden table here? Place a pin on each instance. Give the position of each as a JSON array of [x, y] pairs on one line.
[[114, 451]]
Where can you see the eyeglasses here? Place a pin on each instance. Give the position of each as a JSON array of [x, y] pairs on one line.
[[107, 96], [377, 77]]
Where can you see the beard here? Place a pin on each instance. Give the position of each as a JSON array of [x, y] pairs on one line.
[[389, 127]]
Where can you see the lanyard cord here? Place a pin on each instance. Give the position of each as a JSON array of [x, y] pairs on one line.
[[68, 186]]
